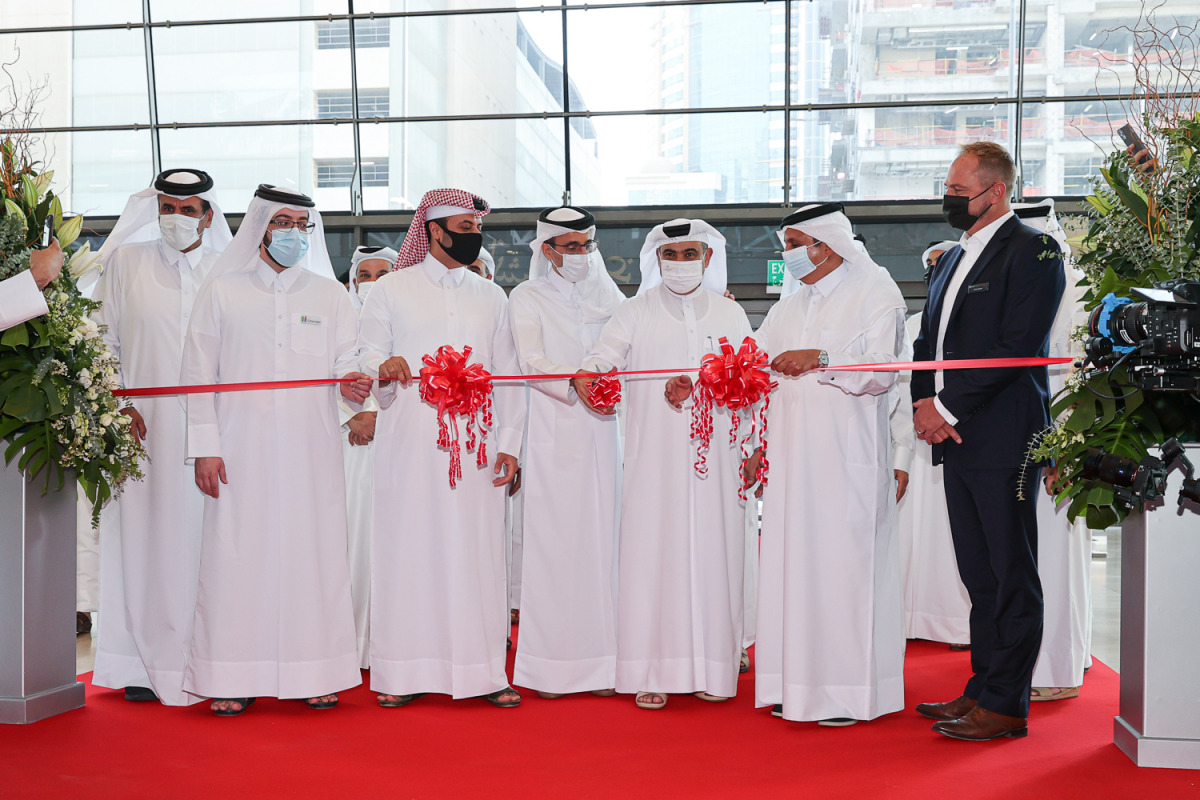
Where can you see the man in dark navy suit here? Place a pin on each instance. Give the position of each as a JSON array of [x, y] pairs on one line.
[[992, 296]]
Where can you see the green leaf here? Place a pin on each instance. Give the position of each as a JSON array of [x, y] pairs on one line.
[[1084, 415], [52, 402], [26, 402], [68, 231], [29, 192], [1100, 518], [56, 208], [42, 182], [15, 336], [11, 207], [1078, 505]]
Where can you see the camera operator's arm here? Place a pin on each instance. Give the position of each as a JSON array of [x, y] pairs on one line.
[[21, 296], [1035, 287]]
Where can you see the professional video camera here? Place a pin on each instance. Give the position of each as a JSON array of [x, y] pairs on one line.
[[1135, 484], [1155, 337]]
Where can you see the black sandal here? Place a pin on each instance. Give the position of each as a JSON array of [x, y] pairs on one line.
[[401, 700], [494, 698], [229, 712], [322, 704]]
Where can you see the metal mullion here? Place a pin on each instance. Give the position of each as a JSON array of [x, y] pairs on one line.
[[787, 103], [969, 101], [151, 91], [356, 181], [566, 104], [1019, 125], [379, 15]]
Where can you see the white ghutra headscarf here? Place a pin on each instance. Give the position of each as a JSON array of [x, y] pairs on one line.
[[685, 230], [598, 292]]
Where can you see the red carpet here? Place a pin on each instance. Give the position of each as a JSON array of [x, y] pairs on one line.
[[575, 747]]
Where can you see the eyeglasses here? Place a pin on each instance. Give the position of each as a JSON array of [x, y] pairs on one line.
[[574, 248], [287, 225]]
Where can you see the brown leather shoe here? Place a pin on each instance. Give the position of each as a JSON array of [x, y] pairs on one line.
[[958, 707], [981, 725]]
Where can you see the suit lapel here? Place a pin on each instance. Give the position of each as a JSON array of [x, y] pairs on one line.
[[937, 286], [998, 242]]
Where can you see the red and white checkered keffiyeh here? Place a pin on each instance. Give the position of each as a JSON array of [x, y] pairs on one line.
[[416, 239]]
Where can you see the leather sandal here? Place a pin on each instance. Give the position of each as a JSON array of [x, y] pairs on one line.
[[400, 701], [494, 698], [1041, 694], [229, 712], [640, 701], [709, 698], [323, 704]]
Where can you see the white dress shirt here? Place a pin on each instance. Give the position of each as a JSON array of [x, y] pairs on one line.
[[972, 245]]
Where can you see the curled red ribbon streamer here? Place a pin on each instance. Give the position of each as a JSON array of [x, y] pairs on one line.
[[604, 392], [736, 380], [458, 388]]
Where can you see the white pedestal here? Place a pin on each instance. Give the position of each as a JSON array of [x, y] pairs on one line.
[[37, 600], [1159, 725]]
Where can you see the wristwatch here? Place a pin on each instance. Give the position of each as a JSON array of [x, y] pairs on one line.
[[823, 359]]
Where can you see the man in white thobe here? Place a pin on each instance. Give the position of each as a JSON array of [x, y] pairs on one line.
[[682, 534], [368, 264], [1064, 547], [273, 610], [936, 605], [155, 260], [437, 553], [572, 466], [830, 643]]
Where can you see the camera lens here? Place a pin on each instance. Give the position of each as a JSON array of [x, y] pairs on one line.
[[1098, 348], [1094, 322], [1110, 468], [1128, 323]]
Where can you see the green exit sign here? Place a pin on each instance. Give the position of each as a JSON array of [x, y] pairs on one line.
[[775, 272]]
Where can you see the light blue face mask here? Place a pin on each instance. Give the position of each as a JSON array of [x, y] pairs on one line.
[[288, 247], [797, 262]]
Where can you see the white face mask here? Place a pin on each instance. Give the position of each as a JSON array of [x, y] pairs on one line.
[[575, 267], [798, 263], [682, 277], [364, 289], [178, 231]]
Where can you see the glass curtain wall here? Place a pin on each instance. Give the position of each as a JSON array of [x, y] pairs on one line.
[[366, 104]]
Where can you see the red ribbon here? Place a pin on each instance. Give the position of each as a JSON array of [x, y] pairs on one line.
[[604, 392], [976, 363], [736, 380], [458, 389]]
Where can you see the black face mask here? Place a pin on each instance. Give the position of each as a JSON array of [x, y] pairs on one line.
[[464, 247], [954, 209]]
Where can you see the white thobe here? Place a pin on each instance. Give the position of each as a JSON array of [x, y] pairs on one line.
[[359, 463], [273, 608], [936, 605], [149, 560], [1064, 548], [830, 641], [20, 300], [571, 474], [682, 536], [438, 602]]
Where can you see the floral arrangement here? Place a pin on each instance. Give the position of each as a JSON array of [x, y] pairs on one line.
[[1144, 229], [57, 410]]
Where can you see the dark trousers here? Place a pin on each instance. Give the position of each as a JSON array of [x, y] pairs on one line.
[[995, 544]]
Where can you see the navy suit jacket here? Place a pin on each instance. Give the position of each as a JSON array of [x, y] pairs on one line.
[[1004, 309]]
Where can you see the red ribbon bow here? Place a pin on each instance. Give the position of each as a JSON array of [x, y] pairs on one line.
[[458, 389], [605, 391], [736, 380]]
